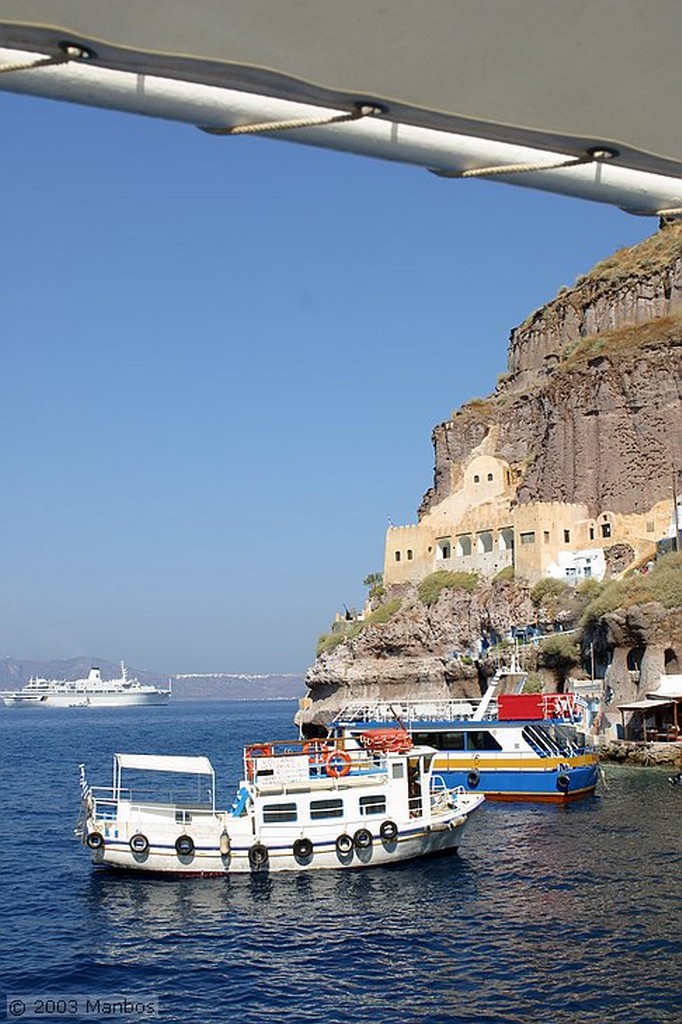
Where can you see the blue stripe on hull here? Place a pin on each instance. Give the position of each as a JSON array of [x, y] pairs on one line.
[[524, 784]]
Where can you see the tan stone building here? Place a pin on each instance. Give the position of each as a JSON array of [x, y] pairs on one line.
[[480, 528]]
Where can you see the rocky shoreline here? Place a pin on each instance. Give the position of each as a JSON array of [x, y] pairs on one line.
[[643, 755]]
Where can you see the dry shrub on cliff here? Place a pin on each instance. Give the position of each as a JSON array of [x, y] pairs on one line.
[[384, 612], [622, 341], [654, 254], [560, 653], [549, 591], [432, 586], [662, 584], [330, 641]]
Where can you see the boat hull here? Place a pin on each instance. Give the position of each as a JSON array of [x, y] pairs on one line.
[[207, 860], [556, 783], [82, 700]]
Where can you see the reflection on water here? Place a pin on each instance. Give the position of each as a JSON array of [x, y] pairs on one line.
[[548, 914]]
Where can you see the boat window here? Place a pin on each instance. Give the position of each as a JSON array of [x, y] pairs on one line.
[[182, 817], [326, 809], [279, 812], [482, 741], [398, 771], [440, 739], [373, 804]]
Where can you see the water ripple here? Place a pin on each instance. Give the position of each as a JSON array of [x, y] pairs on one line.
[[549, 915]]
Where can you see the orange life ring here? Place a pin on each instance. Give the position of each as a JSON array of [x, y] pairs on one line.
[[254, 751], [259, 750], [334, 770]]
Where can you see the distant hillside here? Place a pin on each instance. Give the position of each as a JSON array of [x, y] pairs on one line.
[[239, 687], [14, 673]]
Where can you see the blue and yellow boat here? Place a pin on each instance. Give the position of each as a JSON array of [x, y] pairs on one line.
[[513, 747]]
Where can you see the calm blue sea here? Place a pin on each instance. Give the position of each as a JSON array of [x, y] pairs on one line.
[[547, 914]]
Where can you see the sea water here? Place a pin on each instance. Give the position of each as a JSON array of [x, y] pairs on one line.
[[546, 914]]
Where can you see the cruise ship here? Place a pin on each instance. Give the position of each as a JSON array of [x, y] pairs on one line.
[[91, 692]]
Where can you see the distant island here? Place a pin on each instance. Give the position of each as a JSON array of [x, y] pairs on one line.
[[14, 673]]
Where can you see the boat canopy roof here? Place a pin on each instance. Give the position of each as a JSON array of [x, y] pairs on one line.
[[165, 763], [455, 86]]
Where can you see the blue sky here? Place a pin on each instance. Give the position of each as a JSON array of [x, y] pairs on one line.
[[222, 360]]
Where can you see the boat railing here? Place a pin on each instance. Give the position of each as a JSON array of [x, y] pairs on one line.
[[106, 801], [541, 742], [290, 762], [407, 713], [439, 793]]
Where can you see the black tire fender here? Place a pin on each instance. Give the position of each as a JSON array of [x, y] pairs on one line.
[[258, 855], [303, 848], [184, 846], [344, 844], [139, 843], [388, 831], [362, 839]]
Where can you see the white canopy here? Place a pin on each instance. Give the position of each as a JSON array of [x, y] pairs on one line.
[[644, 705], [455, 86], [165, 763]]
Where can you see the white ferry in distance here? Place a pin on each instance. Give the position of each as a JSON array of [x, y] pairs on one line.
[[91, 692]]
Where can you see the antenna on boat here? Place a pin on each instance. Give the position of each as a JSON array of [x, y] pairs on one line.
[[397, 717]]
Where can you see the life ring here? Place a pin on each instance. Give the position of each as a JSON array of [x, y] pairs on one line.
[[388, 831], [259, 750], [254, 751], [303, 849], [362, 839], [95, 840], [139, 843], [184, 846], [344, 844], [563, 783], [258, 855], [473, 778], [225, 844], [335, 770]]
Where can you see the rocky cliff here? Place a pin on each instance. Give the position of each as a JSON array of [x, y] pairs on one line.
[[591, 406], [588, 412], [427, 649]]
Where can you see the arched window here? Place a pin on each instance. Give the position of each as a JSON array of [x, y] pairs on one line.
[[634, 658], [490, 476], [477, 478], [397, 556], [409, 554], [443, 549], [672, 662], [463, 545]]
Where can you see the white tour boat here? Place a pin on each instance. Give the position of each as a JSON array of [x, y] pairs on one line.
[[300, 806], [91, 692]]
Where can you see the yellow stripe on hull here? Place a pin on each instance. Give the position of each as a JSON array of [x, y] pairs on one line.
[[544, 763]]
